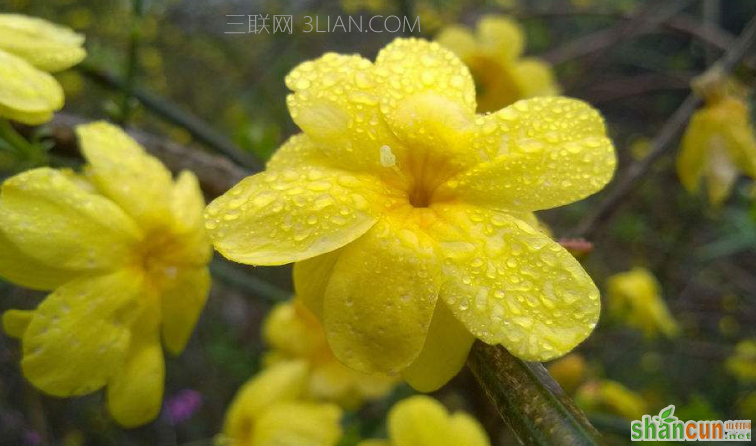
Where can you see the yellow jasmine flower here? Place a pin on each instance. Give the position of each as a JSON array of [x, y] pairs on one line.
[[742, 363], [612, 397], [410, 218], [718, 145], [635, 298], [30, 48], [423, 421], [494, 54], [293, 333], [569, 371], [124, 252], [269, 410]]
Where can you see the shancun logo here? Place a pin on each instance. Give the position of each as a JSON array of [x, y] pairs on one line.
[[667, 427]]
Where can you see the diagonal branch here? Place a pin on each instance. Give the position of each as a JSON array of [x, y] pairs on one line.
[[663, 142]]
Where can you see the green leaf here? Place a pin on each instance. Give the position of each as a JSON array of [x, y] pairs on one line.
[[669, 420], [666, 412], [529, 400]]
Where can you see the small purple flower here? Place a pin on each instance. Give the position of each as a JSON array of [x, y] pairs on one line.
[[181, 406]]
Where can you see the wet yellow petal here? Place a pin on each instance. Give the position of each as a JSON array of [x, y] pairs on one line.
[[45, 45], [284, 216], [311, 278], [27, 94], [21, 269], [444, 353], [51, 219], [298, 424], [79, 335], [409, 67], [335, 102], [15, 322], [135, 393], [125, 173], [380, 299], [510, 284], [279, 383], [427, 98], [500, 36], [182, 300], [544, 152]]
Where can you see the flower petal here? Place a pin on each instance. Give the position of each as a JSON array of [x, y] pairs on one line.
[[45, 45], [458, 39], [544, 152], [445, 351], [123, 172], [336, 103], [467, 430], [79, 335], [535, 78], [21, 269], [135, 392], [27, 94], [284, 216], [380, 299], [15, 322], [510, 284], [419, 421], [311, 278], [182, 300], [298, 424], [49, 218], [187, 208], [281, 382], [499, 36], [428, 99], [409, 67]]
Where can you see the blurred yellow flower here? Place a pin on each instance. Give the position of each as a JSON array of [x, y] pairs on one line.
[[411, 218], [634, 297], [293, 333], [423, 421], [569, 371], [269, 410], [494, 55], [612, 397], [29, 49], [742, 363], [718, 145], [124, 250]]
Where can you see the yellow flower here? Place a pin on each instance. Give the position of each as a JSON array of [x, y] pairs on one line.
[[635, 298], [29, 49], [423, 421], [293, 332], [718, 145], [411, 218], [494, 54], [742, 363], [569, 371], [612, 397], [269, 410], [124, 251]]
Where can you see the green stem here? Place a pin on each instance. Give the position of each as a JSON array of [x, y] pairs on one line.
[[529, 400], [132, 63], [22, 149]]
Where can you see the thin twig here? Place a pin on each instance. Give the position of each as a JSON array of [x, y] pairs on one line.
[[662, 143], [198, 128]]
